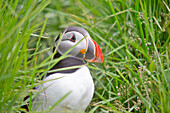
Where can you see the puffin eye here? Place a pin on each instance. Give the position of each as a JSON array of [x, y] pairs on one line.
[[73, 38]]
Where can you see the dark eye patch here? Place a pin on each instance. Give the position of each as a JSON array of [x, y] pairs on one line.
[[73, 38]]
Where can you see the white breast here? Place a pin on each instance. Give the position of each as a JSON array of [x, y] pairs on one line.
[[79, 84]]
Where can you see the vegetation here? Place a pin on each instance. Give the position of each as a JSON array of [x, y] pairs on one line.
[[134, 37]]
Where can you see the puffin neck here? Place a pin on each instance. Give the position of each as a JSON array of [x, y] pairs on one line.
[[67, 62]]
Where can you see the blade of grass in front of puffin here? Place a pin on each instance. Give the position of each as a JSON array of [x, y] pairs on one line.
[[60, 100]]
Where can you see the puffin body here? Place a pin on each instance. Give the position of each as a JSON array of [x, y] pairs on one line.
[[71, 90], [79, 87]]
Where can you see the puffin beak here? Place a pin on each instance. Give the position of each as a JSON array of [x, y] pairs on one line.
[[93, 53]]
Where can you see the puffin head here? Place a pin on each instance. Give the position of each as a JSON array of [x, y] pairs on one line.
[[84, 46]]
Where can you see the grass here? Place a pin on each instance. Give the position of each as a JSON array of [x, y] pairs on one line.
[[134, 36]]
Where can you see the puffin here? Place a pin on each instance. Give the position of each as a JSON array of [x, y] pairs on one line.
[[71, 90]]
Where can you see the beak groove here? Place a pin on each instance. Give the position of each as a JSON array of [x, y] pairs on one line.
[[98, 53]]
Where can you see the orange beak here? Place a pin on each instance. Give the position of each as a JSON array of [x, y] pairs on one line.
[[94, 54]]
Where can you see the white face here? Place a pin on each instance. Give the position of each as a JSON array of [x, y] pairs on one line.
[[69, 40]]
